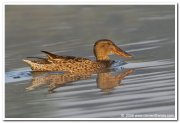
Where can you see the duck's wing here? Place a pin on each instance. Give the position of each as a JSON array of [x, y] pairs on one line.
[[55, 57], [51, 55]]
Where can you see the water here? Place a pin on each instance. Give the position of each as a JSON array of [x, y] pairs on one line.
[[144, 86]]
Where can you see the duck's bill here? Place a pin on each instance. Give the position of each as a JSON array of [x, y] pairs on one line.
[[122, 53]]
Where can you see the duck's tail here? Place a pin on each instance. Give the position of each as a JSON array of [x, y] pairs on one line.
[[35, 62], [30, 63], [27, 61]]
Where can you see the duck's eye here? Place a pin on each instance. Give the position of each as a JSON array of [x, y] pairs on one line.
[[109, 43], [103, 45]]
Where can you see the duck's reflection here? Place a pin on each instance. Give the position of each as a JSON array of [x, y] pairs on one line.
[[105, 81]]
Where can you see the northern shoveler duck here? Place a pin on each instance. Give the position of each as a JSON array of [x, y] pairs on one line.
[[102, 49]]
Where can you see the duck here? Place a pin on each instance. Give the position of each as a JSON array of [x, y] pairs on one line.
[[53, 62]]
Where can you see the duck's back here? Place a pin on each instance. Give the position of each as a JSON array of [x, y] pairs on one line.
[[76, 64], [64, 63]]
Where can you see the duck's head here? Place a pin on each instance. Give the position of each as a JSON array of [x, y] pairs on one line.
[[104, 47]]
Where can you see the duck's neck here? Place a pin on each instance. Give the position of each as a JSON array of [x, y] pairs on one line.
[[102, 58], [101, 54]]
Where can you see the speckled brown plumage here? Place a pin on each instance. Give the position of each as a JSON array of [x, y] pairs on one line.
[[53, 62]]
